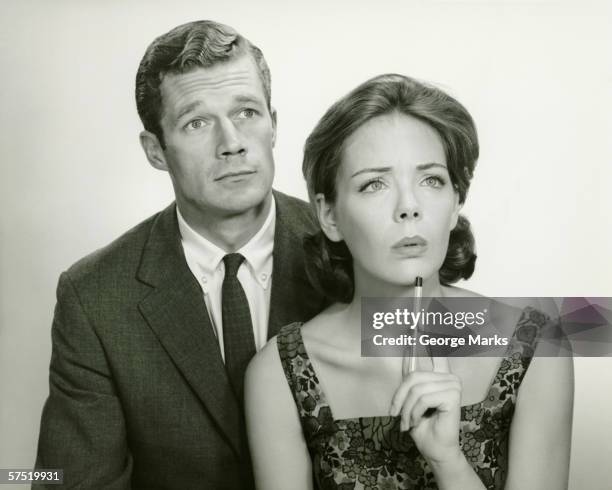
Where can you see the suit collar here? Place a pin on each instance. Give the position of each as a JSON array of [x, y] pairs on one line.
[[164, 261], [287, 271], [176, 313]]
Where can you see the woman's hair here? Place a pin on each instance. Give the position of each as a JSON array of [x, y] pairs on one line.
[[329, 264]]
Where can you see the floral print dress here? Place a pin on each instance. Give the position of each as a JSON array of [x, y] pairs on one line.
[[371, 452]]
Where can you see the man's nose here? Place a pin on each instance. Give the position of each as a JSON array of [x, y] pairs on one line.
[[230, 141], [407, 207]]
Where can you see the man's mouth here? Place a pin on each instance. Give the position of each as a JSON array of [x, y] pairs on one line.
[[234, 174]]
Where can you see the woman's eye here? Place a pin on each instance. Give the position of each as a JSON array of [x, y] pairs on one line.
[[433, 181], [372, 186]]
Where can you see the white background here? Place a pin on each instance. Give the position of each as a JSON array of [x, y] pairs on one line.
[[536, 77]]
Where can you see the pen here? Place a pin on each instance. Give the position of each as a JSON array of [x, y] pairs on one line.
[[409, 364]]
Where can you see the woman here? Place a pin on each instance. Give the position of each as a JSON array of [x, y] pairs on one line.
[[388, 168]]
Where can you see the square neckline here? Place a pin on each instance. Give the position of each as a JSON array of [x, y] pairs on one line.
[[323, 400]]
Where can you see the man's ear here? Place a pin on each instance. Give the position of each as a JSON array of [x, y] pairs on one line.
[[327, 218], [273, 116], [153, 150]]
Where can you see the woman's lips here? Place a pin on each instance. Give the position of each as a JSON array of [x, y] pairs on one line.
[[413, 246]]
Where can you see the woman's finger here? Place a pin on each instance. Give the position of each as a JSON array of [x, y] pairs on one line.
[[412, 379], [438, 401], [440, 365], [416, 394]]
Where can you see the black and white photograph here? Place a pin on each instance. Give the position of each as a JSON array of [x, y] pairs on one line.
[[204, 201]]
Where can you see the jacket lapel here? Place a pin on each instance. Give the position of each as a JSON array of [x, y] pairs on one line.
[[176, 312], [292, 298], [282, 280]]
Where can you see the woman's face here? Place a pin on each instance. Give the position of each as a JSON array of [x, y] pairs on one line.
[[395, 204]]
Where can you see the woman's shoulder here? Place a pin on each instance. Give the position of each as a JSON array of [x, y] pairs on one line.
[[543, 305], [264, 361], [457, 292], [324, 330], [314, 332], [512, 308]]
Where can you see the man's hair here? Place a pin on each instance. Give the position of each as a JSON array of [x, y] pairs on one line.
[[198, 44], [330, 264]]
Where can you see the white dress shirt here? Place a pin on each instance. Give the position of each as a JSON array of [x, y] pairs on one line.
[[205, 260]]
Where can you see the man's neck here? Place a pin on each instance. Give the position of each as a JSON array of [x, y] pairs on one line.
[[227, 231]]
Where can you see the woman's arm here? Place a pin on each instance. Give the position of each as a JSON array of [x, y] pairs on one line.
[[278, 449], [541, 431]]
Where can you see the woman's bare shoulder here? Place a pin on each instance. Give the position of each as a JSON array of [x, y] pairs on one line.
[[457, 292], [544, 305], [266, 360], [517, 304], [315, 332], [324, 324]]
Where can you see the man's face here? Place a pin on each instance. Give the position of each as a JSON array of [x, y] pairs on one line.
[[219, 136]]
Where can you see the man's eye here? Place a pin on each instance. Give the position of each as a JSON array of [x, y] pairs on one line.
[[372, 186], [247, 113], [196, 124]]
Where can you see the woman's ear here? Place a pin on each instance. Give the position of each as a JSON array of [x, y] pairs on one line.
[[326, 215], [455, 213]]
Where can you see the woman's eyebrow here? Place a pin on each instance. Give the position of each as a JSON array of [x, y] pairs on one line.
[[378, 170], [381, 170], [427, 166]]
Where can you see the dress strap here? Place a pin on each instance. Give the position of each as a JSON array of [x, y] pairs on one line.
[[528, 330], [299, 372], [522, 346]]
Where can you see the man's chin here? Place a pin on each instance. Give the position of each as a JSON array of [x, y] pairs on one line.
[[245, 203]]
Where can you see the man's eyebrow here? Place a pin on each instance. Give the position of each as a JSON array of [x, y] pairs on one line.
[[250, 99], [240, 99], [188, 108]]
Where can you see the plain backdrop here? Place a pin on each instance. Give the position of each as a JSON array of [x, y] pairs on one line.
[[536, 76]]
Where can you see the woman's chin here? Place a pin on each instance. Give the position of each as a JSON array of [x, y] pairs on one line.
[[408, 279]]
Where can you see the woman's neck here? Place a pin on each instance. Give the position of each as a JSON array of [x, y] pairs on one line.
[[351, 314], [365, 288]]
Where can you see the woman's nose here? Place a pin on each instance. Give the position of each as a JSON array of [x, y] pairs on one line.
[[407, 208], [407, 214]]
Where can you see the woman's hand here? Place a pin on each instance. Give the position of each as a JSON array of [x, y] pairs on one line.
[[430, 406]]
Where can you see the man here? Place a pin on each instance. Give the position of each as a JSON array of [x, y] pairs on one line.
[[152, 334]]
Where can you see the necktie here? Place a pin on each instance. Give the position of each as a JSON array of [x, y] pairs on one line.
[[238, 338]]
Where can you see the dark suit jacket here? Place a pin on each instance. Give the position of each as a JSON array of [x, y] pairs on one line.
[[139, 395]]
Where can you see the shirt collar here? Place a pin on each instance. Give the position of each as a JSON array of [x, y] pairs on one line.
[[257, 251]]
